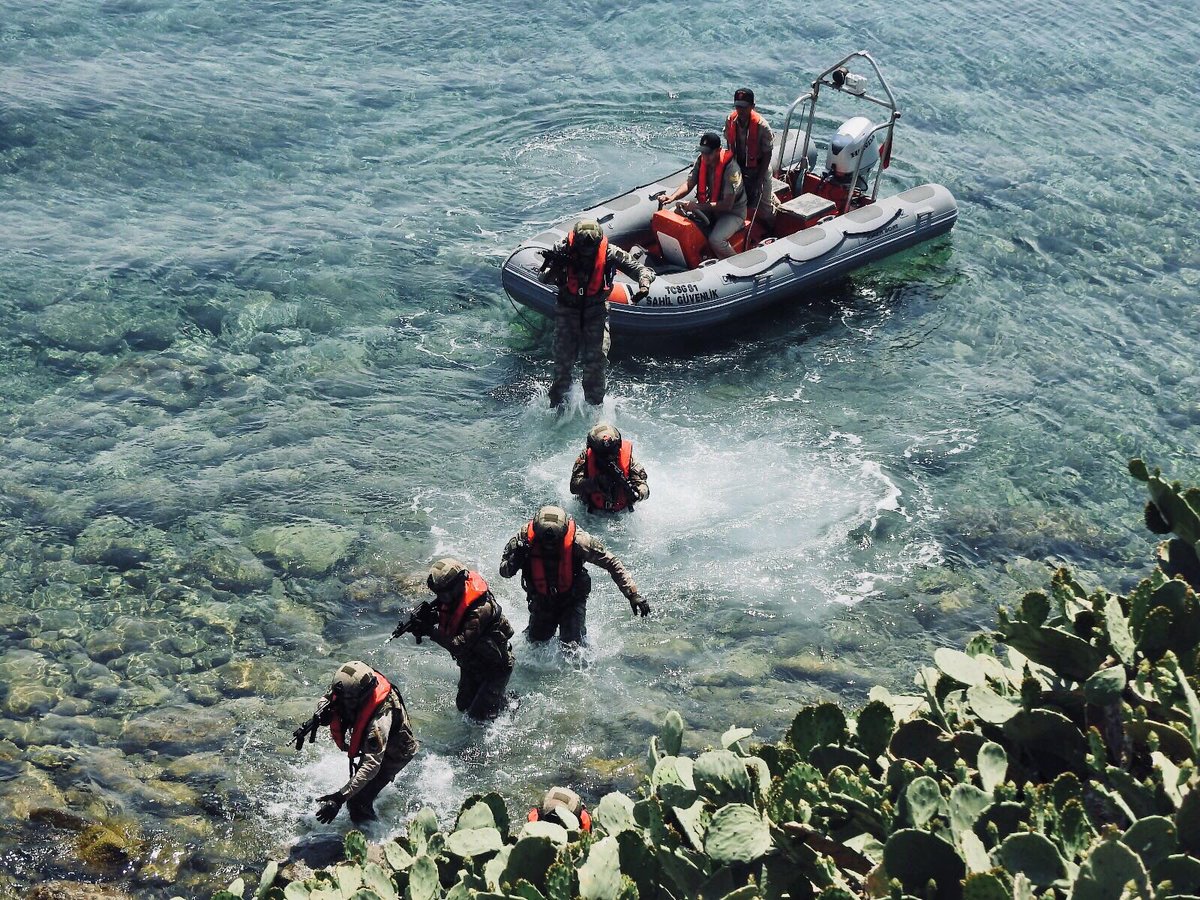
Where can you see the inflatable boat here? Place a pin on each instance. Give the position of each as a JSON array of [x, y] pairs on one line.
[[828, 223]]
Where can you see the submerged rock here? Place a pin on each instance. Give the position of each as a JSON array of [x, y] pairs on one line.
[[113, 541], [108, 847], [231, 568], [76, 890], [308, 549], [177, 730]]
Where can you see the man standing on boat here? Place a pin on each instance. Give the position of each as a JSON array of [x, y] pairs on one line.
[[749, 136], [584, 265], [550, 553], [720, 193], [605, 475]]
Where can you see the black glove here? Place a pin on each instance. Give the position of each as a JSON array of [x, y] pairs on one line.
[[639, 606], [331, 805], [639, 295]]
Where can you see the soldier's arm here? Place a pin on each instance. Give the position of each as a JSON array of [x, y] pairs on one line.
[[372, 759], [513, 558], [637, 477], [686, 188], [580, 484], [630, 266], [766, 146], [594, 552]]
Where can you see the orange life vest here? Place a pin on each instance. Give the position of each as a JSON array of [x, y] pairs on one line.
[[338, 730], [566, 563], [598, 499], [599, 280], [585, 819], [752, 145], [723, 159], [450, 616]]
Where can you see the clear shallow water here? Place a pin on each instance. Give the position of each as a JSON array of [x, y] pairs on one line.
[[249, 279]]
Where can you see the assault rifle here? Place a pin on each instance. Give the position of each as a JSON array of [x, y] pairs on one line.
[[323, 716], [631, 492], [555, 261], [416, 623]]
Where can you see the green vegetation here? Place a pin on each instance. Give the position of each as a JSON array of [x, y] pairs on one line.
[[1055, 757]]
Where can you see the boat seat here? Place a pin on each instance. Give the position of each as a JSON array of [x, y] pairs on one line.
[[824, 186], [683, 243]]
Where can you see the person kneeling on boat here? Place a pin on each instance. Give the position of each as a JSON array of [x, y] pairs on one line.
[[584, 265], [367, 719], [720, 193], [605, 475], [465, 618]]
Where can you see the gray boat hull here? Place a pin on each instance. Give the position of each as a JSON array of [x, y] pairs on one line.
[[717, 292]]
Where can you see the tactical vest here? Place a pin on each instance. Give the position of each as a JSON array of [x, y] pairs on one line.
[[598, 499], [724, 157], [585, 818], [566, 564], [752, 145], [337, 729], [450, 616], [601, 277]]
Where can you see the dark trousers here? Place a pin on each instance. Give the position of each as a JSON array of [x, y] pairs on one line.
[[567, 616], [362, 805], [481, 692]]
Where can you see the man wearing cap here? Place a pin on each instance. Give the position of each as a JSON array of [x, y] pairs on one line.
[[749, 136], [720, 193], [585, 279], [550, 552]]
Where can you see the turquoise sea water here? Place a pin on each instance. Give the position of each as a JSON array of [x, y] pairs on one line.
[[256, 370]]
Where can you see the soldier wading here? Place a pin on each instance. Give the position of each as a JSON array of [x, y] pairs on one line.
[[467, 620], [605, 475], [583, 266], [367, 719], [550, 553]]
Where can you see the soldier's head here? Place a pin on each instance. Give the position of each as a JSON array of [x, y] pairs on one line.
[[446, 575], [586, 237], [710, 143], [560, 798], [550, 526], [352, 684], [604, 440], [743, 102]]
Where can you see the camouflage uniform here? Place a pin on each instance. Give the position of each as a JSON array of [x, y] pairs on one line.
[[581, 328], [565, 613], [582, 487], [388, 747], [484, 656], [757, 180]]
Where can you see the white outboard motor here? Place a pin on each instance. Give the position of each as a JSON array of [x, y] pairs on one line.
[[856, 138]]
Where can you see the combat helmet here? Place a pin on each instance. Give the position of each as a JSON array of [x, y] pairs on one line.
[[445, 574], [604, 439], [550, 525], [352, 682], [588, 234], [561, 796]]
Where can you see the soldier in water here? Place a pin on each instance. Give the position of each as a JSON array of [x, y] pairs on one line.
[[466, 619], [367, 719], [550, 553], [605, 475]]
